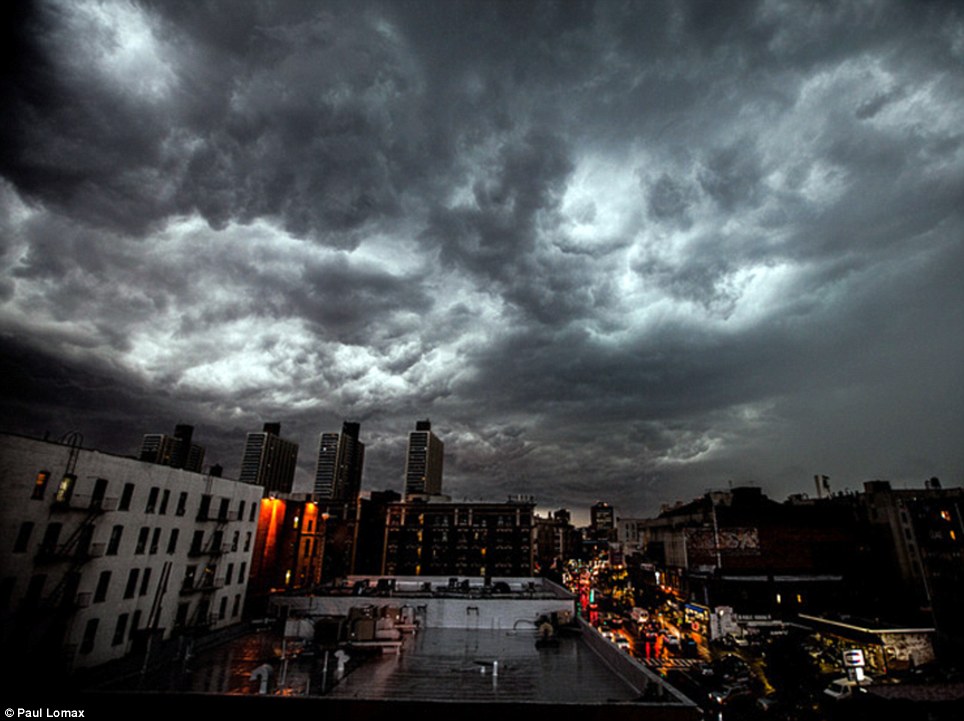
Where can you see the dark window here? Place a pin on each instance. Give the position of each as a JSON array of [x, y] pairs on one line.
[[100, 490], [103, 583], [172, 541], [230, 575], [126, 495], [205, 508], [113, 545], [234, 540], [48, 545], [135, 622], [223, 509], [152, 499], [236, 608], [90, 635], [241, 510], [197, 543], [145, 582], [23, 537], [142, 540], [131, 587], [181, 504], [181, 618], [247, 541], [241, 570], [155, 540], [223, 608], [119, 630], [165, 499], [40, 484], [254, 508]]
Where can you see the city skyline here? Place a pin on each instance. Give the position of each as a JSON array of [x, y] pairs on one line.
[[615, 252]]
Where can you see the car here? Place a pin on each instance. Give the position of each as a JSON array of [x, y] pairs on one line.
[[622, 642], [843, 688], [731, 694]]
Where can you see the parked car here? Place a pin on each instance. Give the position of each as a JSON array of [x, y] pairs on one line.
[[731, 694], [842, 689]]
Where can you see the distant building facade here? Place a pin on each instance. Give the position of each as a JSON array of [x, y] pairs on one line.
[[100, 553], [338, 474], [289, 548], [554, 540], [423, 462], [459, 539], [269, 461], [176, 451]]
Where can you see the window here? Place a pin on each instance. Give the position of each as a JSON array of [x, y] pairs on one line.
[[247, 541], [100, 490], [66, 489], [145, 582], [230, 575], [197, 543], [115, 538], [172, 541], [48, 546], [241, 510], [40, 485], [119, 630], [131, 583], [236, 608], [155, 540], [90, 635], [152, 499], [181, 618], [223, 608], [181, 504], [254, 508], [35, 590], [241, 570], [204, 508], [223, 509], [142, 540], [126, 495], [135, 622], [165, 499], [103, 583], [23, 537], [234, 540]]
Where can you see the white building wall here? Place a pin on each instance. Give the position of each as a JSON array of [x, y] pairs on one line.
[[96, 609]]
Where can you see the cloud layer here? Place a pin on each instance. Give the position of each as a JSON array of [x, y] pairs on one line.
[[617, 251]]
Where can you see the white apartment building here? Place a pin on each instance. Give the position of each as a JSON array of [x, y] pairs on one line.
[[99, 553]]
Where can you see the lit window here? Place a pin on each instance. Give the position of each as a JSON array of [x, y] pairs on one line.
[[40, 484]]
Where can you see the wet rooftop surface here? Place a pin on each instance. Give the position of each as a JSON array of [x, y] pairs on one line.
[[434, 665], [458, 665]]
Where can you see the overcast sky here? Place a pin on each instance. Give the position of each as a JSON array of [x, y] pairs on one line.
[[617, 251]]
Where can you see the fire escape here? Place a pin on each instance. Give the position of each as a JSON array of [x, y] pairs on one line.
[[204, 581], [73, 553]]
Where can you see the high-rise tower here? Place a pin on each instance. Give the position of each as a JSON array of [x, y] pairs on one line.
[[423, 464], [176, 451], [339, 470], [269, 460]]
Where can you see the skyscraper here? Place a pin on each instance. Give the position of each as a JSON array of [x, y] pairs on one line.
[[339, 470], [423, 464], [269, 460], [176, 451]]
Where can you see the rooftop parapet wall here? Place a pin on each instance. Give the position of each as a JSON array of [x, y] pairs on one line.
[[441, 608]]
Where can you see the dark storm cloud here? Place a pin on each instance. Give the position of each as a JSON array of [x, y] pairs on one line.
[[675, 243]]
